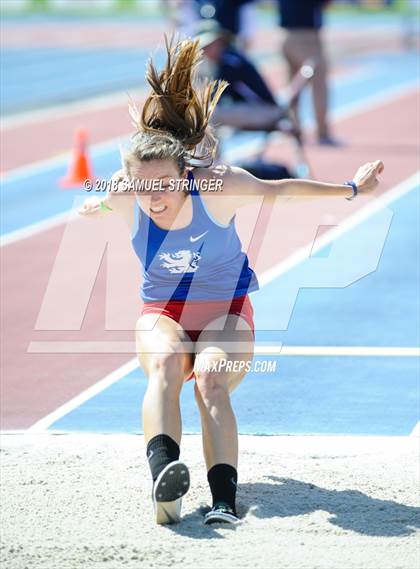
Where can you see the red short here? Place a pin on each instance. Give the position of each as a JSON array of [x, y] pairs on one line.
[[195, 315]]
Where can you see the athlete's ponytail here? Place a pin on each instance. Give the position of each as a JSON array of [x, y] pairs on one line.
[[174, 122]]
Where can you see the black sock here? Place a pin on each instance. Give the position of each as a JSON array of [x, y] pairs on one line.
[[161, 450], [223, 480]]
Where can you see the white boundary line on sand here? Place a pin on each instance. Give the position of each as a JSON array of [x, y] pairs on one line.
[[132, 364]]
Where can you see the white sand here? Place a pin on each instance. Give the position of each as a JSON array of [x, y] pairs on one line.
[[72, 501]]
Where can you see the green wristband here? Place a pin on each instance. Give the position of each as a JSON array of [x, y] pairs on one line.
[[104, 207]]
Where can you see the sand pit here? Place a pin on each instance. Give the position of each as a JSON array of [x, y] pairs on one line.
[[72, 501]]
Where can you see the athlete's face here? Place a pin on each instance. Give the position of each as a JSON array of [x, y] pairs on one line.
[[158, 199]]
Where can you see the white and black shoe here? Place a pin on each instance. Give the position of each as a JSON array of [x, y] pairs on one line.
[[221, 512], [169, 487]]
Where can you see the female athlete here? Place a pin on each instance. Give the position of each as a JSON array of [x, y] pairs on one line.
[[197, 319]]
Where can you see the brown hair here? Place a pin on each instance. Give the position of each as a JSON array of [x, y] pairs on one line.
[[174, 122]]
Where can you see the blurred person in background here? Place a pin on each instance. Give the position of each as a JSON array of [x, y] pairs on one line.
[[302, 22], [238, 17], [183, 15], [254, 105], [247, 103], [411, 25]]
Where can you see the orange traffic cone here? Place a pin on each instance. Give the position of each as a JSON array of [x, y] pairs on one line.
[[80, 169]]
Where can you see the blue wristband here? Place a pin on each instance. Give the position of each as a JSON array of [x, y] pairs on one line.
[[353, 187]]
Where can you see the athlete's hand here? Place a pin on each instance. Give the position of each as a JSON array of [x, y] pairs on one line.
[[365, 177], [91, 207], [118, 185]]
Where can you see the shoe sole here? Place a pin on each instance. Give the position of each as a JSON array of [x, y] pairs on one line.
[[217, 517], [171, 484]]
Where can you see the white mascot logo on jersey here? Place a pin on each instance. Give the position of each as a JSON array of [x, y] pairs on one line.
[[180, 262]]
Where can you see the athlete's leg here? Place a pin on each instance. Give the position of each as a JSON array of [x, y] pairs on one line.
[[165, 354], [222, 357], [220, 365]]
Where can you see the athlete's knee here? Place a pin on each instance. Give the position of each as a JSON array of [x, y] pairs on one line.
[[211, 387], [166, 365]]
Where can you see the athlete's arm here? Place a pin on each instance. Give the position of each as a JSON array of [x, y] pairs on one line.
[[247, 188]]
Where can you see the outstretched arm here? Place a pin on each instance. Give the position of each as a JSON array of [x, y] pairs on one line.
[[247, 188]]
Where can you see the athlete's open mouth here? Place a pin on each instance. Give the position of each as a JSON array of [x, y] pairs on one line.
[[158, 209]]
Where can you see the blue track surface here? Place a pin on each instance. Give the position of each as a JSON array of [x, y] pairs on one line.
[[82, 72], [307, 395]]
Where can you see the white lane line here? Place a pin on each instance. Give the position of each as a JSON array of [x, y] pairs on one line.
[[65, 110], [373, 101], [38, 227], [120, 347], [361, 215], [62, 159], [356, 351], [82, 397], [342, 113], [117, 347], [416, 431]]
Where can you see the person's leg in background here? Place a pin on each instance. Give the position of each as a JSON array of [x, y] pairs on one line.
[[320, 87], [299, 46], [294, 58]]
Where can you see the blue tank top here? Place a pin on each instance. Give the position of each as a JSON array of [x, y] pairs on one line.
[[203, 261]]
